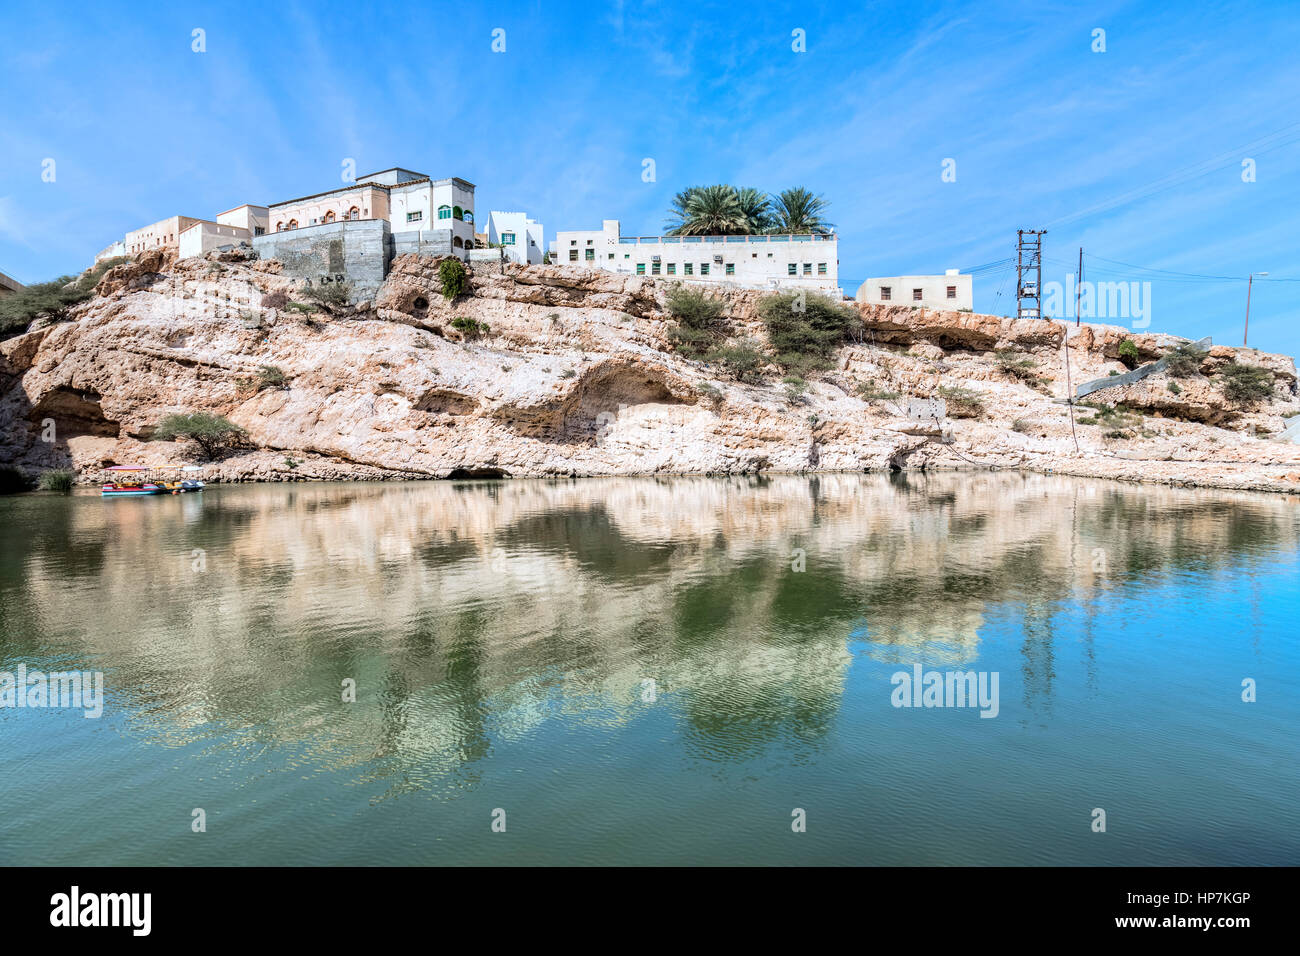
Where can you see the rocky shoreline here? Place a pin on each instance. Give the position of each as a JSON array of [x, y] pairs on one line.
[[559, 372]]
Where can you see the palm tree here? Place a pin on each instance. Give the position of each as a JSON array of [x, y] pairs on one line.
[[757, 207], [713, 211], [797, 211], [677, 214]]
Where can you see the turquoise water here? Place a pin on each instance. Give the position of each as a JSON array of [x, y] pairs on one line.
[[503, 637]]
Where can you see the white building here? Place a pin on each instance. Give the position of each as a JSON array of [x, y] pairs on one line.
[[427, 205], [951, 291], [750, 262], [519, 237]]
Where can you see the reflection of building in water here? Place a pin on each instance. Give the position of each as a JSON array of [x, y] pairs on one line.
[[473, 613]]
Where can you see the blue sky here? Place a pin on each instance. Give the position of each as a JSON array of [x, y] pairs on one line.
[[1134, 153]]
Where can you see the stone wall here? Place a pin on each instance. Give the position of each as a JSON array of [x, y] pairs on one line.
[[357, 252]]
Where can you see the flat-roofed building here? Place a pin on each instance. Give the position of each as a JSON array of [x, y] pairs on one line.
[[520, 238], [806, 261], [951, 291], [164, 232], [253, 218], [204, 236]]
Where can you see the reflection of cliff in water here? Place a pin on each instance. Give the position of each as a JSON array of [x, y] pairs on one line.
[[476, 611]]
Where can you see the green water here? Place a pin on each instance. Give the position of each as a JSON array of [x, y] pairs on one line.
[[641, 671]]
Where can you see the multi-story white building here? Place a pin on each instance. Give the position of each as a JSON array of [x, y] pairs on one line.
[[519, 237], [410, 202], [951, 291], [751, 262]]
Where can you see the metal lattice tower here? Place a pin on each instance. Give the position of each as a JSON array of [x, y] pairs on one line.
[[1029, 273]]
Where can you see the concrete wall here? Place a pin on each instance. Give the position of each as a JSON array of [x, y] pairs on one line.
[[9, 285], [949, 291], [111, 251], [427, 242], [747, 262], [359, 252]]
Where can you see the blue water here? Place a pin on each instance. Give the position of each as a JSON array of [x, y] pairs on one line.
[[502, 634]]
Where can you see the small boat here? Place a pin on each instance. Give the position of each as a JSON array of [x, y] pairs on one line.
[[130, 481], [178, 484]]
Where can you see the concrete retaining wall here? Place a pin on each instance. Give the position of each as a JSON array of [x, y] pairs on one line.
[[355, 251], [1136, 375], [428, 242]]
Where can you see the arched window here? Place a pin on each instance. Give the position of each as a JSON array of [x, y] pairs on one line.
[[457, 212], [444, 212], [469, 215], [279, 226], [329, 216], [455, 241], [354, 213], [293, 223]]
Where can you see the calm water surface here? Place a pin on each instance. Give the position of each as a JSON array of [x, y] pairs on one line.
[[503, 637]]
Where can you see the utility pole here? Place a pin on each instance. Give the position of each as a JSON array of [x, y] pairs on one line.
[[1249, 282], [1029, 262], [1078, 289]]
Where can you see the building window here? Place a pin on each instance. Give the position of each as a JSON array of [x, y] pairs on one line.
[[329, 216], [916, 295], [293, 223], [704, 268], [952, 292], [573, 255], [591, 242], [807, 268], [259, 231], [444, 212], [354, 213], [654, 268], [469, 215], [415, 216], [640, 268], [884, 293], [457, 213], [821, 268], [507, 238], [573, 242], [792, 269], [611, 255], [731, 268], [689, 268], [279, 227], [590, 255], [672, 268]]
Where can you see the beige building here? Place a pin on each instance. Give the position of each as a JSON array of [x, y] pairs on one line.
[[165, 232], [252, 218], [951, 291], [364, 201]]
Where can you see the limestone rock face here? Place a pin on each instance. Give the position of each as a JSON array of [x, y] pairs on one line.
[[556, 371]]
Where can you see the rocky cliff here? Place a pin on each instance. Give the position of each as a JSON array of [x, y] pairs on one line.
[[575, 374]]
